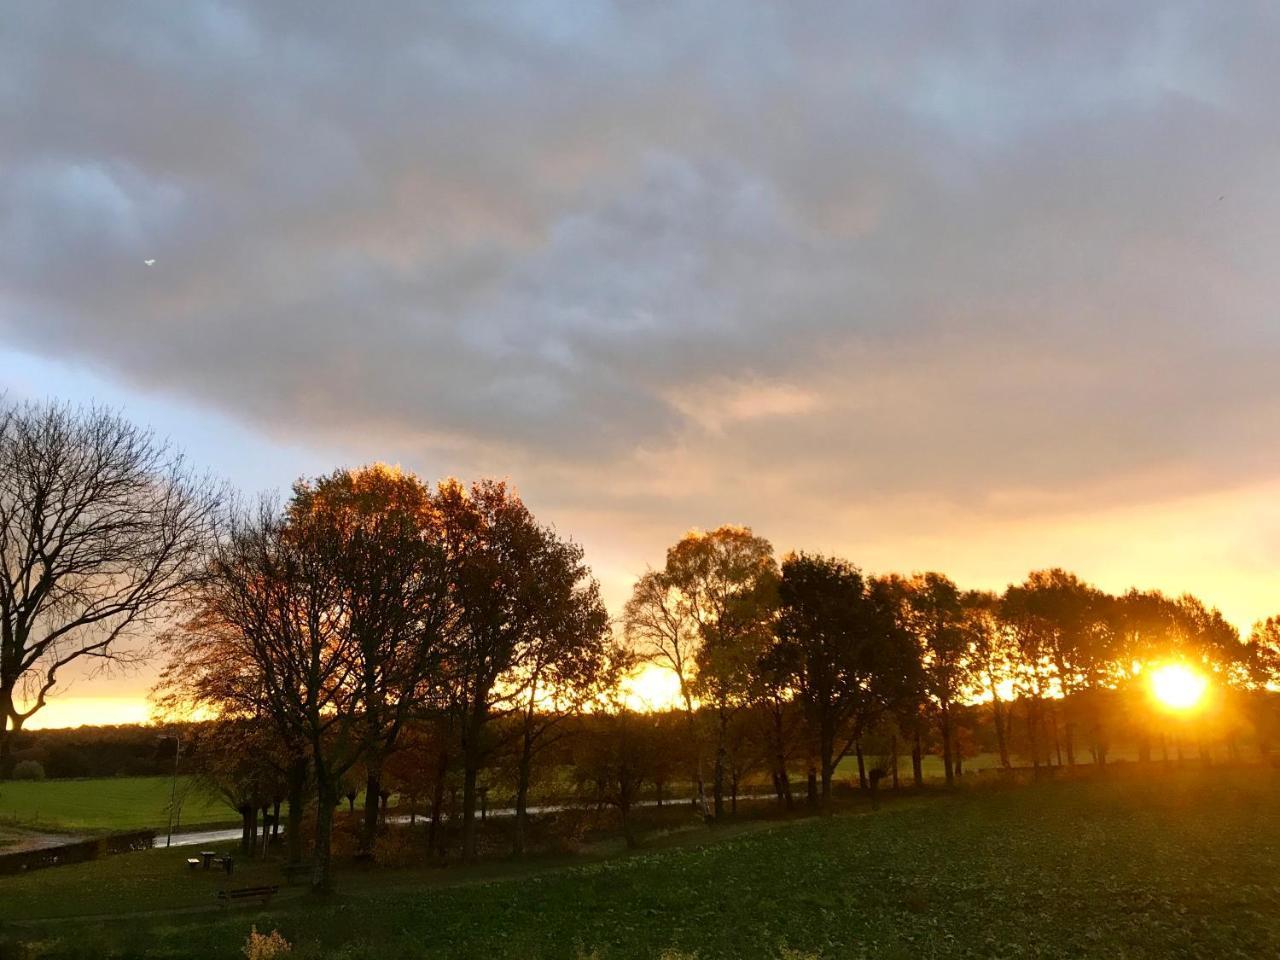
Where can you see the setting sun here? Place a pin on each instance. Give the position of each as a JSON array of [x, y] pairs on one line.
[[1178, 687], [651, 688]]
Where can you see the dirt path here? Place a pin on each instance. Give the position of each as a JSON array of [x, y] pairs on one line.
[[16, 840]]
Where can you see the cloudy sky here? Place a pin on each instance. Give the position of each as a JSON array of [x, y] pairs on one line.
[[976, 287]]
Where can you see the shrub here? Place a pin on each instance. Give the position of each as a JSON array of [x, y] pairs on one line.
[[397, 848], [265, 946], [28, 770]]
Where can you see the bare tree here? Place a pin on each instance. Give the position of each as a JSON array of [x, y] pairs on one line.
[[102, 528], [660, 626], [268, 637]]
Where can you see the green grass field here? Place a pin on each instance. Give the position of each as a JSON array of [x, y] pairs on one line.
[[1182, 866], [110, 803]]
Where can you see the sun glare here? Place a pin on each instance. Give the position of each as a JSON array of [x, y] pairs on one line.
[[651, 688], [1178, 687]]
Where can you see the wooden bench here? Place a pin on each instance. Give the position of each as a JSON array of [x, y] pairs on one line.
[[193, 863], [261, 894]]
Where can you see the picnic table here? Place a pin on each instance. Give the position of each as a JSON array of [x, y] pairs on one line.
[[206, 857]]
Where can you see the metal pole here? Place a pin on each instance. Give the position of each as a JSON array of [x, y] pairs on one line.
[[173, 789]]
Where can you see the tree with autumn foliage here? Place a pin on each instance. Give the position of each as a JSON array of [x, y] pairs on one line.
[[384, 534], [527, 607]]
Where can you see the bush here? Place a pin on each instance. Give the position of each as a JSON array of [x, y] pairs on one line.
[[265, 946], [28, 770]]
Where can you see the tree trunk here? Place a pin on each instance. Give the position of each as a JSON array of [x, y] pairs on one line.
[[781, 782], [812, 782], [470, 774], [1001, 742], [471, 757], [917, 761], [893, 759], [827, 749], [248, 829], [1057, 740], [944, 725], [435, 838], [369, 829], [721, 755], [322, 861], [6, 745], [293, 835], [1033, 734], [700, 797], [522, 802], [862, 765]]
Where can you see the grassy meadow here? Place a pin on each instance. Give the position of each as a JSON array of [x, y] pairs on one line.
[[107, 803], [1181, 865]]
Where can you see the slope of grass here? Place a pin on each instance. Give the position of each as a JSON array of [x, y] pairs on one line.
[[109, 803], [1180, 866]]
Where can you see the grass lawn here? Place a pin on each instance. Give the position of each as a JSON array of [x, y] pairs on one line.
[[109, 803], [1182, 865]]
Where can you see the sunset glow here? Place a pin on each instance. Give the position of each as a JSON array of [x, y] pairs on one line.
[[1178, 687], [651, 688]]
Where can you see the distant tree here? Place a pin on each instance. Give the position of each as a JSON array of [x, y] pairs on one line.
[[934, 615], [240, 760], [520, 590], [992, 652], [1033, 671], [1066, 614], [850, 656], [28, 770], [393, 568], [102, 528], [773, 696], [659, 623], [411, 770], [729, 580], [1144, 625], [267, 638], [620, 749], [1263, 654], [563, 663], [707, 616]]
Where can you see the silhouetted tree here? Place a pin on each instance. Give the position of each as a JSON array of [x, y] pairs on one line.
[[519, 588], [102, 528], [932, 612], [850, 655], [396, 577]]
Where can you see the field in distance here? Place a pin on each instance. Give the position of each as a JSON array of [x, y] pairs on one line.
[[107, 803]]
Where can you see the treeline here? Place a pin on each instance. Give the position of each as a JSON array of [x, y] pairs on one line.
[[376, 636], [125, 750], [1058, 666]]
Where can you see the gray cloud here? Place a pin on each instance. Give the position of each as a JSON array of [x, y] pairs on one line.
[[967, 251]]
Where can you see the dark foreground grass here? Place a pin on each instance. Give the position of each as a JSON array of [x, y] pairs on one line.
[[1180, 866]]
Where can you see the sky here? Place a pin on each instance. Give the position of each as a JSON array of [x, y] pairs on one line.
[[977, 287]]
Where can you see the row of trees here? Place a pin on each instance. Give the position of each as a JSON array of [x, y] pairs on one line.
[[858, 654], [370, 602]]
